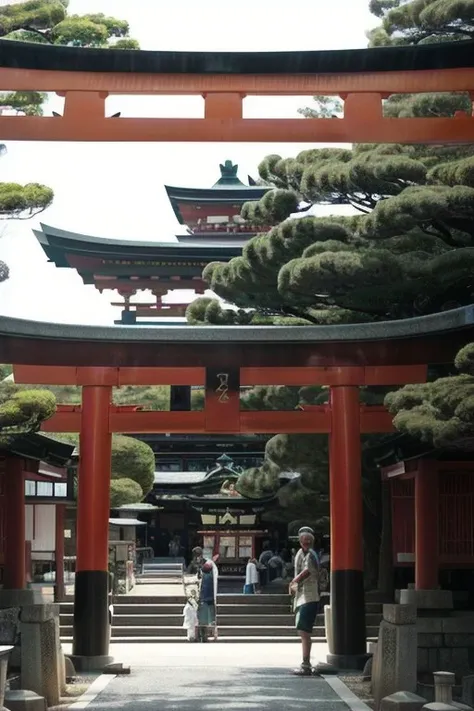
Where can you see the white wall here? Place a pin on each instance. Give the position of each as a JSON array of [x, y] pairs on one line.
[[41, 526]]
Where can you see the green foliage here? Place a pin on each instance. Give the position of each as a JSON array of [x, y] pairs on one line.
[[133, 467], [273, 397], [324, 107], [153, 397], [47, 21], [148, 397], [439, 412], [408, 252], [197, 399], [29, 103], [421, 21], [133, 459], [35, 16], [124, 491], [5, 371], [23, 411], [22, 202]]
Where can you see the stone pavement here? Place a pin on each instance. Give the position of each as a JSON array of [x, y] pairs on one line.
[[211, 677]]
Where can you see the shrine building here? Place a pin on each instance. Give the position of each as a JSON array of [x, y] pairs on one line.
[[215, 231]]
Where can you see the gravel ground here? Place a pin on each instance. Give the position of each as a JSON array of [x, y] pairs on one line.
[[360, 688], [76, 688]]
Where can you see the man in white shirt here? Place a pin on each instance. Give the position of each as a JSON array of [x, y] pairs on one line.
[[305, 589]]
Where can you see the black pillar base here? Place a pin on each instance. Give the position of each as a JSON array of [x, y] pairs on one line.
[[348, 617], [91, 614]]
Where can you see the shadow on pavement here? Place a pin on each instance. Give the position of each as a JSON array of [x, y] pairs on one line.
[[212, 689]]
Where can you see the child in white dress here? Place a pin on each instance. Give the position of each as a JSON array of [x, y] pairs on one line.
[[190, 622]]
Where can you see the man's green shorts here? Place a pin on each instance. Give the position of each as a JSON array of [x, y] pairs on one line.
[[306, 616]]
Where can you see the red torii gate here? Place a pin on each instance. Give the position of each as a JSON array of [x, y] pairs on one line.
[[344, 419], [222, 359]]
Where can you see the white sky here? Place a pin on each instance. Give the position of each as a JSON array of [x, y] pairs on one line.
[[116, 190]]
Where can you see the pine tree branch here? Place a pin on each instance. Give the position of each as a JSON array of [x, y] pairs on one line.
[[44, 35]]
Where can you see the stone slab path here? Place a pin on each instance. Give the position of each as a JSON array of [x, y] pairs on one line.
[[240, 677]]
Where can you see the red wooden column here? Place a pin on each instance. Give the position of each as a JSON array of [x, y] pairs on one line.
[[347, 557], [15, 544], [59, 591], [426, 526], [91, 616]]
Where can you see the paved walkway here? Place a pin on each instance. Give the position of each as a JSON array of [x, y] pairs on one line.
[[213, 677]]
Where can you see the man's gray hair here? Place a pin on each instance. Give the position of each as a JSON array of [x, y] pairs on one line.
[[306, 531]]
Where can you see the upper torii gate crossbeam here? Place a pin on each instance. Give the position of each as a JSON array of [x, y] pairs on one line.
[[363, 78]]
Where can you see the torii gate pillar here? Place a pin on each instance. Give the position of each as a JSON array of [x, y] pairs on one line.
[[91, 596], [347, 552]]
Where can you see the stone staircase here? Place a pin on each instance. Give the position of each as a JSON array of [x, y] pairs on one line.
[[240, 618], [161, 570]]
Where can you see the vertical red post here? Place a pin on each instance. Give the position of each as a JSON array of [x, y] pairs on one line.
[[347, 552], [91, 606], [15, 538], [59, 591], [426, 526]]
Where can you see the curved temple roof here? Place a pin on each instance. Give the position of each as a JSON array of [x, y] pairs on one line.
[[21, 55], [56, 242], [440, 323], [426, 339]]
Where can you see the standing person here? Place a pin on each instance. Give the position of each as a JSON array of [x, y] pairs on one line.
[[207, 601], [305, 589], [251, 577], [194, 568], [263, 562], [190, 622]]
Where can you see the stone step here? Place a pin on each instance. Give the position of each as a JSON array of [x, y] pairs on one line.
[[176, 619], [248, 632], [278, 603], [175, 609], [162, 566], [174, 640]]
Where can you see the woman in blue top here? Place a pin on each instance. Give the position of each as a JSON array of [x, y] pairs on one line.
[[207, 601]]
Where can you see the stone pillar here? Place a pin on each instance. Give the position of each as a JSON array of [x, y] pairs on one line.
[[41, 654], [394, 667], [4, 655], [328, 626], [347, 557], [91, 606], [15, 538], [443, 683], [426, 526]]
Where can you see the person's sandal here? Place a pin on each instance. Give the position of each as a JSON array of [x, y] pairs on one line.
[[303, 670]]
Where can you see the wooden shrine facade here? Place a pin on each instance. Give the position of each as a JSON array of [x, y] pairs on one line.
[[432, 510], [362, 77], [35, 487]]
